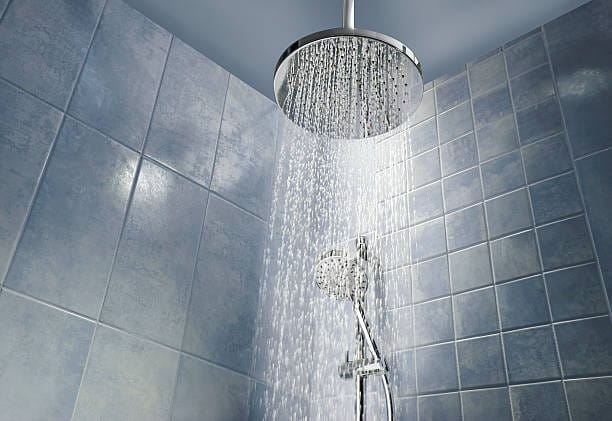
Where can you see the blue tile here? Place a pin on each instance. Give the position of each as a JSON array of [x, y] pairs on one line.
[[390, 182], [43, 353], [503, 174], [481, 362], [532, 87], [149, 289], [451, 93], [546, 158], [486, 405], [394, 250], [230, 263], [397, 329], [423, 137], [391, 151], [539, 121], [523, 303], [542, 402], [456, 71], [244, 166], [393, 214], [508, 213], [455, 122], [425, 203], [136, 379], [589, 399], [430, 279], [440, 407], [424, 169], [63, 257], [576, 292], [487, 74], [585, 347], [470, 268], [526, 54], [515, 256], [565, 243], [426, 109], [117, 88], [187, 116], [398, 291], [42, 45], [202, 388], [436, 368], [555, 199], [475, 313], [584, 95], [497, 138], [462, 189], [433, 322], [465, 227], [492, 106], [260, 398], [402, 369], [27, 129], [427, 240], [531, 355], [406, 408], [459, 154]]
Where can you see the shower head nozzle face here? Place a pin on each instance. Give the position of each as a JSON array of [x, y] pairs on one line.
[[338, 275]]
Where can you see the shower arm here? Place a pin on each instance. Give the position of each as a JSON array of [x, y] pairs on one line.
[[348, 14]]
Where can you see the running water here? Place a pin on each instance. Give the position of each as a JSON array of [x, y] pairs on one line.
[[333, 183]]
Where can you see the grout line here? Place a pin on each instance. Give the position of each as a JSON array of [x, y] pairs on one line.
[[590, 154], [4, 12]]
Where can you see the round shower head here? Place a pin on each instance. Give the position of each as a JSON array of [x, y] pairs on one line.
[[338, 275], [348, 83]]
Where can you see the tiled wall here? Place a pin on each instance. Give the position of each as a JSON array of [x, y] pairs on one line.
[[136, 177], [500, 310]]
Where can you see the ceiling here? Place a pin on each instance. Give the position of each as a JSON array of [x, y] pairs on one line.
[[247, 36]]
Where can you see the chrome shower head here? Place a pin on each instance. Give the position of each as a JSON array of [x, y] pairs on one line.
[[339, 275]]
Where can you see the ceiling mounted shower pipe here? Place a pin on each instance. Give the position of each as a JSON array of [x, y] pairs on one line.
[[348, 14]]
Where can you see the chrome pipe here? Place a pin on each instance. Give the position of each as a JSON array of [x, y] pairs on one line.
[[348, 14], [388, 398]]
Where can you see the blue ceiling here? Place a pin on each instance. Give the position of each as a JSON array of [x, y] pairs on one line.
[[247, 36]]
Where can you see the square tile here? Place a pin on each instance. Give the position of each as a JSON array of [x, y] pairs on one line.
[[546, 158], [430, 279], [542, 402], [532, 87], [427, 108], [406, 408], [462, 189], [459, 154], [118, 85], [455, 122], [523, 303], [589, 399], [390, 182], [531, 355], [565, 243], [398, 290], [481, 362], [465, 227], [487, 74], [503, 174], [433, 321], [423, 137], [424, 169], [470, 268], [393, 215], [402, 369], [391, 151], [539, 121], [394, 250], [515, 256], [508, 213], [555, 199], [452, 92], [436, 368], [492, 106], [526, 54], [397, 329], [475, 313], [497, 138], [440, 407], [426, 203], [486, 405], [427, 240]]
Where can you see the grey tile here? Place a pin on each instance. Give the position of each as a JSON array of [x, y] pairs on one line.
[[393, 214], [187, 116], [546, 158], [481, 362], [462, 189], [508, 213], [531, 355], [402, 369], [203, 390], [532, 87], [555, 199], [424, 169], [585, 98], [426, 109], [465, 227], [244, 166], [63, 257], [427, 240], [423, 137], [406, 408], [149, 289], [486, 405], [459, 154], [230, 264], [497, 138], [43, 353], [42, 45], [433, 322], [436, 368], [3, 4], [27, 129], [397, 329], [117, 88], [589, 399], [523, 303], [440, 407], [539, 121], [426, 203], [390, 182], [391, 151], [470, 268], [136, 379], [394, 250], [515, 256], [492, 106], [475, 313], [526, 54], [565, 243], [455, 122], [430, 279], [487, 74], [503, 174], [398, 290], [585, 347], [542, 402], [457, 70], [452, 92], [576, 292]]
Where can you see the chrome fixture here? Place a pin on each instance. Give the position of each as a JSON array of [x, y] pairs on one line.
[[348, 83], [345, 277]]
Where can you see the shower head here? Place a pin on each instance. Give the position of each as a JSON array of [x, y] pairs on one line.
[[339, 275], [348, 83]]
